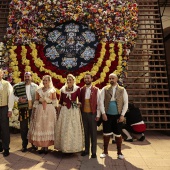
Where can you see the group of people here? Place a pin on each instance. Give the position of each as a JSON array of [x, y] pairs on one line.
[[69, 124]]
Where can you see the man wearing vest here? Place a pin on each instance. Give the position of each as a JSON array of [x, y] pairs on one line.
[[89, 97], [114, 104], [24, 93], [6, 106]]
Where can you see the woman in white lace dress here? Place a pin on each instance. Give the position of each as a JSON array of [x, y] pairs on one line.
[[69, 136], [43, 120]]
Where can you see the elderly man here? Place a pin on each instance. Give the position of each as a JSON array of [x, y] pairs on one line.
[[6, 105], [114, 104], [24, 93]]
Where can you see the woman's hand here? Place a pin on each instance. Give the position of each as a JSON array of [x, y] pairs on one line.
[[64, 104]]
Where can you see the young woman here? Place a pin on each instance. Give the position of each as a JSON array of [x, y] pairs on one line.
[[43, 120], [69, 136]]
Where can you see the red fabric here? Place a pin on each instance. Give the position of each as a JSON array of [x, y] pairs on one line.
[[93, 98], [139, 128], [64, 99]]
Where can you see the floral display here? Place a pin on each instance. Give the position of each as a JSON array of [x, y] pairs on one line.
[[13, 120], [70, 46], [4, 62], [108, 59], [112, 20], [37, 42]]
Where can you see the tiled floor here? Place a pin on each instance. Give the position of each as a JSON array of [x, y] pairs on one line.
[[153, 154]]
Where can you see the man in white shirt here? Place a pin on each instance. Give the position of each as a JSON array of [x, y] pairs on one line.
[[89, 98], [24, 93], [114, 104], [6, 106]]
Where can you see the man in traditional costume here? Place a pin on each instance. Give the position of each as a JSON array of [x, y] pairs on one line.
[[114, 104], [24, 93], [89, 98], [6, 106]]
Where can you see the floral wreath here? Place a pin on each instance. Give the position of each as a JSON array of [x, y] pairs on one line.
[[114, 22]]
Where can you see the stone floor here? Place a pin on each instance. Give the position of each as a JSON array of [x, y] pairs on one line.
[[153, 154]]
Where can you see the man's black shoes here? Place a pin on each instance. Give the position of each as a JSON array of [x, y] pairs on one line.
[[24, 149], [93, 155], [84, 153], [142, 138], [1, 149], [6, 152], [129, 140]]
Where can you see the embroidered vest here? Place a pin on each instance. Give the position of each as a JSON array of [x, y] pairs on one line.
[[4, 94], [92, 100], [118, 97]]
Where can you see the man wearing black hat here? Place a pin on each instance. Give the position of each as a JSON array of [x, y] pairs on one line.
[[24, 93]]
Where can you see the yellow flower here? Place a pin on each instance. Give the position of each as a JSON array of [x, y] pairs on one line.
[[111, 45], [27, 68], [15, 68], [95, 68], [124, 64], [106, 69], [102, 75], [57, 91], [15, 74], [93, 73], [12, 64], [108, 63], [112, 56]]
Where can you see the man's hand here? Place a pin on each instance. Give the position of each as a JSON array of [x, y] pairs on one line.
[[22, 100], [97, 119], [79, 105], [9, 113], [104, 116], [121, 119]]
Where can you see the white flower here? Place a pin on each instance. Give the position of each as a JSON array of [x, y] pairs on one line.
[[15, 112]]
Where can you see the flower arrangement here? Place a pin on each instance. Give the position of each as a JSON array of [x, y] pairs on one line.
[[13, 120], [31, 58], [4, 59], [113, 21]]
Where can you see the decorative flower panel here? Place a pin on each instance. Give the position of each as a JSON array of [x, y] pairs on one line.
[[71, 45]]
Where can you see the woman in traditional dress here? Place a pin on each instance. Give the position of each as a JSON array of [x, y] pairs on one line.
[[69, 135], [43, 120]]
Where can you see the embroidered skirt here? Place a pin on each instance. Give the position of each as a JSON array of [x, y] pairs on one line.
[[42, 125], [69, 134]]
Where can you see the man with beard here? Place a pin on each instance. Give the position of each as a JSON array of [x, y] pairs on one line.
[[24, 93], [89, 97], [6, 105], [114, 104]]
